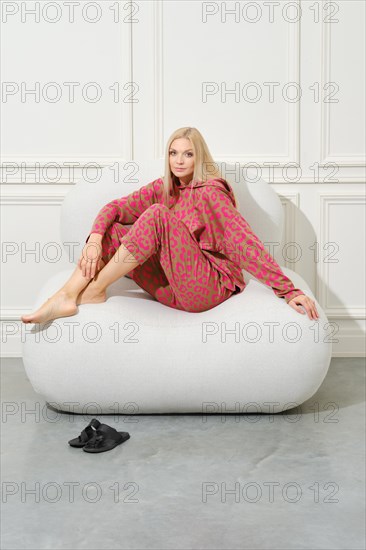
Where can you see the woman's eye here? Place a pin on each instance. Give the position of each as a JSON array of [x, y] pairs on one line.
[[188, 154]]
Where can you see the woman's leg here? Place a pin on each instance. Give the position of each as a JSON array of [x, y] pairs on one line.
[[118, 266], [149, 275], [78, 289], [62, 303], [111, 244]]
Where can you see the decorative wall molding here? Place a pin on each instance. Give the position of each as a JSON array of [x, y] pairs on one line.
[[308, 139], [326, 201], [276, 179], [159, 148], [293, 109], [126, 121], [325, 154], [290, 203], [310, 180], [12, 314], [62, 163], [33, 197]]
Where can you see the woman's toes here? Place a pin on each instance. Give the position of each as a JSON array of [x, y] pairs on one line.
[[26, 318]]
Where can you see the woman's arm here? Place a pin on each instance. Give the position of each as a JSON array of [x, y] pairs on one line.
[[244, 247], [248, 251], [240, 244], [127, 210]]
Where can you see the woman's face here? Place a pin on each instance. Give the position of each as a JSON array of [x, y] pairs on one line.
[[181, 159]]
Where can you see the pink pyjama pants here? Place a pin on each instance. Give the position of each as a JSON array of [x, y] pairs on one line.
[[172, 267]]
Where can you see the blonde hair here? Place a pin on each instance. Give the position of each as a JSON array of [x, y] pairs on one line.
[[205, 167]]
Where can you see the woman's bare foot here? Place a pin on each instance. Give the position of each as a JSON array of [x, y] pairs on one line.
[[91, 295], [59, 305]]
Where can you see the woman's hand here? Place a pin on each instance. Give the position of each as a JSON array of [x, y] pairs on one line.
[[307, 303], [91, 256]]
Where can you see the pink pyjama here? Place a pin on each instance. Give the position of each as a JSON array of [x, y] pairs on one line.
[[172, 267]]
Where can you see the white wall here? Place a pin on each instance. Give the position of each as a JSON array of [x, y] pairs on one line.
[[166, 55]]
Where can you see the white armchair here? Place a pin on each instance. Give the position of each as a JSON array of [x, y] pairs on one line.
[[132, 354]]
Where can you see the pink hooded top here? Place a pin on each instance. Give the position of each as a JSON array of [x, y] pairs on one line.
[[220, 230]]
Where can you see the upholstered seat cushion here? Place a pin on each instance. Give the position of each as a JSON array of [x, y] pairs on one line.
[[150, 358]]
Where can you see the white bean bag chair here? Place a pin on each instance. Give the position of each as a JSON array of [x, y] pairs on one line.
[[134, 355]]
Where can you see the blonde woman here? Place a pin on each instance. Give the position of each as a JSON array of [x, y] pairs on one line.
[[187, 246]]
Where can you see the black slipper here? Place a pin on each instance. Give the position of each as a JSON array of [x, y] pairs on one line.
[[105, 438], [86, 434]]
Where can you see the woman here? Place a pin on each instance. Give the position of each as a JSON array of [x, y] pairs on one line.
[[187, 246]]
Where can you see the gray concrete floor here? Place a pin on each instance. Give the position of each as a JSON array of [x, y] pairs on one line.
[[287, 481]]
